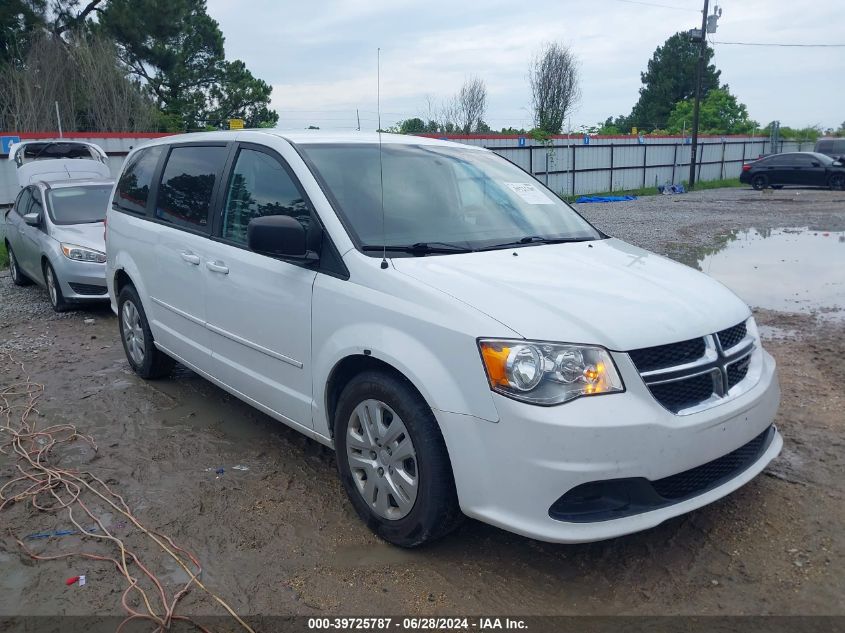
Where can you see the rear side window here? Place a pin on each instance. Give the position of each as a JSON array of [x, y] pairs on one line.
[[133, 188], [260, 186], [184, 195]]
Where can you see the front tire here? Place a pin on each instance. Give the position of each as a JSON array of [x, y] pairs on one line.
[[18, 278], [54, 289], [760, 182], [836, 182], [393, 462], [144, 357]]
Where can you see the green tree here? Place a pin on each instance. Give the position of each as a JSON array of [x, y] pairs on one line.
[[669, 79], [19, 22], [412, 126], [721, 113], [176, 49]]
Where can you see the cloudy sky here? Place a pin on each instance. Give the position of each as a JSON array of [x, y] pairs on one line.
[[320, 56]]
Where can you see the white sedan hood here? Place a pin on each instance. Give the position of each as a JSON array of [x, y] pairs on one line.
[[88, 235], [604, 292]]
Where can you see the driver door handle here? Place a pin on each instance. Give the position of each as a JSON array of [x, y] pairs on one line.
[[218, 267], [190, 258]]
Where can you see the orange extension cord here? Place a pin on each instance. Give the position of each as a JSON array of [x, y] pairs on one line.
[[51, 489]]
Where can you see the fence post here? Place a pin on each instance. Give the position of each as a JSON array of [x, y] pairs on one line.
[[743, 153], [573, 170], [531, 159], [610, 188], [722, 167], [645, 153], [674, 161], [547, 167]]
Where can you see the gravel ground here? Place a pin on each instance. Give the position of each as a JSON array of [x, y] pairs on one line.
[[281, 538]]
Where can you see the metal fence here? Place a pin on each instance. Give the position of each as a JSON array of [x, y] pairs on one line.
[[601, 165]]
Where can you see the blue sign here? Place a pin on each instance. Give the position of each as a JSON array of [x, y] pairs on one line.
[[522, 141], [586, 139], [7, 141]]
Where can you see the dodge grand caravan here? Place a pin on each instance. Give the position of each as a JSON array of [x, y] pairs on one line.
[[467, 343]]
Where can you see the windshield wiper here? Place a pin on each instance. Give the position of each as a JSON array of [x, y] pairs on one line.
[[536, 239], [420, 248]]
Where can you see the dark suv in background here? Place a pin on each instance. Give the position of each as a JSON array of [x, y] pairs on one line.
[[833, 147]]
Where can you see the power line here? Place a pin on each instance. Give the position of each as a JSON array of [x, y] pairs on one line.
[[780, 44], [655, 4]]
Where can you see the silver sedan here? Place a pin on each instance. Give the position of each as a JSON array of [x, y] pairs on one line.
[[55, 238]]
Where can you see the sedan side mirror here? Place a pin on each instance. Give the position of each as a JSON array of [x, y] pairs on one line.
[[33, 219], [815, 164], [279, 236]]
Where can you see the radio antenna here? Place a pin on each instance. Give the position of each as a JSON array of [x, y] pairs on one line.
[[380, 164]]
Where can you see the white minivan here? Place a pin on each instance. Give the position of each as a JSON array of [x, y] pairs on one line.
[[466, 341]]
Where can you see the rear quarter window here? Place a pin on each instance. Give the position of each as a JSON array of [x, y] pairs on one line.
[[133, 188]]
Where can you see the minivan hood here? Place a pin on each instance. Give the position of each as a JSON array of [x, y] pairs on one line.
[[605, 292], [88, 235]]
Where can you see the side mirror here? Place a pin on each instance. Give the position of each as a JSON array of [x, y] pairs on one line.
[[279, 236], [815, 164], [33, 219]]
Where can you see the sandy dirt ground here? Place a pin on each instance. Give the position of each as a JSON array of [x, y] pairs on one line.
[[281, 538]]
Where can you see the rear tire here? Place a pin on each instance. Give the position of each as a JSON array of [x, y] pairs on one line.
[[760, 182], [837, 182], [18, 278], [144, 357], [400, 481], [54, 289]]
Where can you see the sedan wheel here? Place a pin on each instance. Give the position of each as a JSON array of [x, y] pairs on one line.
[[133, 333], [759, 182], [837, 182], [382, 459], [18, 278], [57, 299]]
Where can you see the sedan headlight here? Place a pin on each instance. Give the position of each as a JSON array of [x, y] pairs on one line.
[[82, 254], [548, 373]]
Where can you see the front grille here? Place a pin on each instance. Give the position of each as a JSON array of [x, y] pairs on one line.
[[711, 474], [682, 394], [733, 335], [88, 289], [651, 358], [685, 374], [737, 371]]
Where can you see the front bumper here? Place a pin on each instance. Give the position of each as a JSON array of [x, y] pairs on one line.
[[81, 282], [510, 473]]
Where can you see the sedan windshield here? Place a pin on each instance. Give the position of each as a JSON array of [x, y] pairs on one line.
[[79, 205], [440, 199]]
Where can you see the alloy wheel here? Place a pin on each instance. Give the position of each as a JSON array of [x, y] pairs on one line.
[[51, 286], [13, 267], [382, 459], [133, 332]]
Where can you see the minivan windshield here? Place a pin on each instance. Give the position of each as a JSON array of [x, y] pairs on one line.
[[79, 205], [440, 199]]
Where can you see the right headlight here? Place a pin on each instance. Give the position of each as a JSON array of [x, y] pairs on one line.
[[548, 373]]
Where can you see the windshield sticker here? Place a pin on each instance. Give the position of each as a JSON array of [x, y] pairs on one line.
[[528, 192]]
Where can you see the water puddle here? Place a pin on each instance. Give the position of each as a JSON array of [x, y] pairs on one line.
[[788, 270]]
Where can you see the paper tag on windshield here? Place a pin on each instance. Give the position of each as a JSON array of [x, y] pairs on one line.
[[528, 192]]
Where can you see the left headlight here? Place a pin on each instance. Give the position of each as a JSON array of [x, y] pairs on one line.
[[82, 254], [548, 373]]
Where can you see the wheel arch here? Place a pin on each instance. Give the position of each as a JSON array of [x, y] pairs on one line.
[[345, 370]]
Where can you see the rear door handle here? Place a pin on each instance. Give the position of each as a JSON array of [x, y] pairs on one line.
[[218, 267], [190, 258]]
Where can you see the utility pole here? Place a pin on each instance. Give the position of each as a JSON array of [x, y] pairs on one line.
[[699, 70]]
